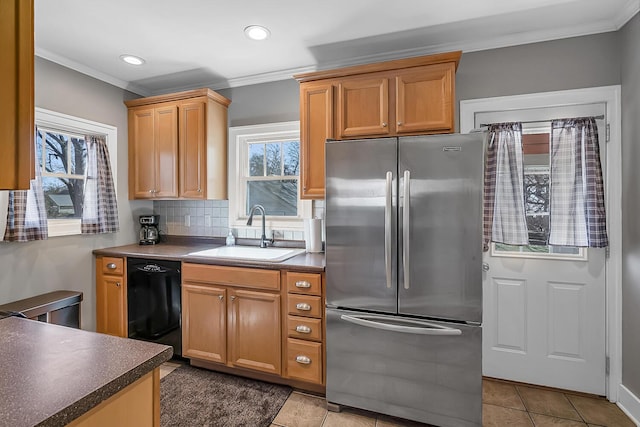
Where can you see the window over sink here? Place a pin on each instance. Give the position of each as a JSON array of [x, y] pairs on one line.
[[265, 162]]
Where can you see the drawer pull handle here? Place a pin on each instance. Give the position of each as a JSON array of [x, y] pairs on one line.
[[111, 266], [303, 306], [303, 329], [304, 360], [303, 284]]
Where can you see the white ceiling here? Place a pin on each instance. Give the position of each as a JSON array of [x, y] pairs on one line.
[[200, 43]]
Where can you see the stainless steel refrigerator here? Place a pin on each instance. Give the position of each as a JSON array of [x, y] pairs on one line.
[[404, 276]]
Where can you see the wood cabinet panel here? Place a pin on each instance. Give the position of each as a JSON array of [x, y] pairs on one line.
[[166, 151], [424, 99], [17, 166], [305, 305], [192, 150], [238, 276], [304, 283], [363, 107], [304, 360], [204, 322], [316, 103], [254, 332], [141, 154], [305, 328], [111, 294]]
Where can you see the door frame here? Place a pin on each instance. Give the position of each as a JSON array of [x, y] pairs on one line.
[[611, 97]]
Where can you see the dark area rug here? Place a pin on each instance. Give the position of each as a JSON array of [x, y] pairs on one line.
[[198, 397]]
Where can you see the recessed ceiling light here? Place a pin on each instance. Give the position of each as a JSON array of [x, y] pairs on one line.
[[257, 32], [132, 59]]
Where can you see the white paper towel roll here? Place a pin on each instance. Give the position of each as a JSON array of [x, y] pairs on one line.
[[313, 234]]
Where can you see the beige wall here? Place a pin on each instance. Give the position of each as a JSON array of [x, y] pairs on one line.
[[34, 268]]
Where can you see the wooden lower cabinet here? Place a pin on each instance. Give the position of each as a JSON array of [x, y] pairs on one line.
[[111, 296], [304, 360], [234, 326]]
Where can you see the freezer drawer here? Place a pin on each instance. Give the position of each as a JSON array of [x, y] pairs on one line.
[[397, 366]]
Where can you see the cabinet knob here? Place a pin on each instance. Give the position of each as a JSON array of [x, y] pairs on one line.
[[384, 124], [118, 284], [399, 123], [199, 190], [302, 306], [151, 191], [111, 266], [304, 360], [220, 297], [303, 284], [233, 298], [303, 329]]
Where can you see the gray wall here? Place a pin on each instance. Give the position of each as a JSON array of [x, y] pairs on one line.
[[630, 71], [33, 268]]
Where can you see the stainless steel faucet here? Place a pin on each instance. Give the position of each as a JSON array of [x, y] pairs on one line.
[[264, 242]]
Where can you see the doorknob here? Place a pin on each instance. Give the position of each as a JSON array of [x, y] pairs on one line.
[[485, 266]]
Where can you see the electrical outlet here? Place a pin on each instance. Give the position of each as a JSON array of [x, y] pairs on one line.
[[187, 220]]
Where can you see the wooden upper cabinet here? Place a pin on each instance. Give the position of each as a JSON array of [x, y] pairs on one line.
[[424, 99], [316, 103], [363, 107], [403, 97], [188, 134], [17, 166]]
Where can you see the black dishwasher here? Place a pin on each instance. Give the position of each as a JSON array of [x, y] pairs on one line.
[[153, 301]]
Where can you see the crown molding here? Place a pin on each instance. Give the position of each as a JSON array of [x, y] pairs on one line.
[[91, 72], [629, 10]]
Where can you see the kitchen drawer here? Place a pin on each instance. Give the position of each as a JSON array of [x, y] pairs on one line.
[[236, 276], [304, 283], [304, 360], [304, 328], [111, 265], [304, 305]]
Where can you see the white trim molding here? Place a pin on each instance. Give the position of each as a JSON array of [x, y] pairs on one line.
[[629, 403], [610, 96]]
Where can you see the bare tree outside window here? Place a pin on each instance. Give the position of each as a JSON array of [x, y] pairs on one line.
[[63, 160]]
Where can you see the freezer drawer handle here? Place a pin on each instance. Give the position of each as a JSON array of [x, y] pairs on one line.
[[406, 229], [303, 284], [303, 329], [421, 328], [387, 227], [303, 360], [303, 306]]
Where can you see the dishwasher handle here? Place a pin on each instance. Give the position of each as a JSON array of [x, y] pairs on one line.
[[416, 327]]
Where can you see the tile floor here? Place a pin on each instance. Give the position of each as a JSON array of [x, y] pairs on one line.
[[505, 404]]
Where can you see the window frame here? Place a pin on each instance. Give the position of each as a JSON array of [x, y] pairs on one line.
[[64, 123], [239, 138]]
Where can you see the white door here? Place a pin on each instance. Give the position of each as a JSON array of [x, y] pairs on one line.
[[544, 316]]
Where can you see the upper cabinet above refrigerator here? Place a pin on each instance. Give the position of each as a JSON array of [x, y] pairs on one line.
[[402, 97]]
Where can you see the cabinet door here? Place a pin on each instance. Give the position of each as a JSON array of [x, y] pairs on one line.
[[142, 163], [363, 107], [204, 322], [16, 86], [254, 330], [316, 126], [166, 153], [424, 99], [192, 150], [111, 307]]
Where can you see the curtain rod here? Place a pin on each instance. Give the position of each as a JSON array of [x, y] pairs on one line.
[[600, 117]]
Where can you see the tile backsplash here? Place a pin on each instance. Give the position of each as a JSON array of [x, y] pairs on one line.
[[211, 218]]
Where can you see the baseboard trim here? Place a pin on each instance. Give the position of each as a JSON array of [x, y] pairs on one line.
[[629, 403]]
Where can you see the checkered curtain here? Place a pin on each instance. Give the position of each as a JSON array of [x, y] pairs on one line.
[[100, 208], [27, 213], [577, 212], [504, 210]]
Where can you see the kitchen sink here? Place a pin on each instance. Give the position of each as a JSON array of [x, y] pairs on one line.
[[249, 253]]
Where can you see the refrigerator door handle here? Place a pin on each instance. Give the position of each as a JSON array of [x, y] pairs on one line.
[[417, 327], [387, 227], [406, 228]]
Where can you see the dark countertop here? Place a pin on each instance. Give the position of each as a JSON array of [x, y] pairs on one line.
[[50, 374], [178, 249]]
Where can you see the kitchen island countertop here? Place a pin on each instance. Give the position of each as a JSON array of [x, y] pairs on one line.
[[51, 375]]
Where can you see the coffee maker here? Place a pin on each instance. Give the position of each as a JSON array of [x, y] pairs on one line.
[[149, 233]]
